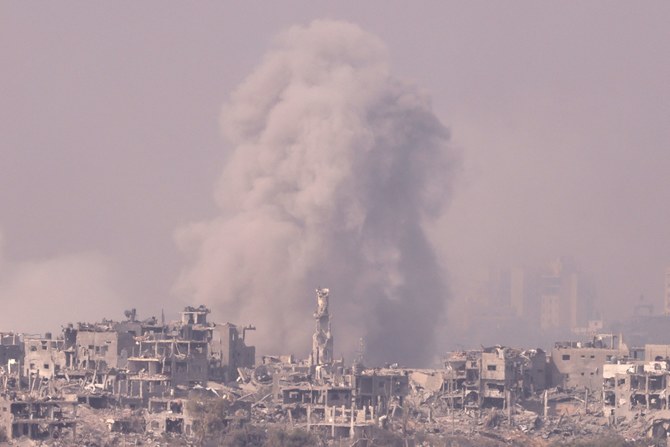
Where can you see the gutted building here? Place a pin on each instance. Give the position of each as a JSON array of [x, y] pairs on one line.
[[39, 419], [43, 356], [579, 365]]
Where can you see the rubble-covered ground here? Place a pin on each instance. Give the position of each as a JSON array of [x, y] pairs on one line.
[[424, 425]]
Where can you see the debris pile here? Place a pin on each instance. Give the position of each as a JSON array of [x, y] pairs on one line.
[[193, 382]]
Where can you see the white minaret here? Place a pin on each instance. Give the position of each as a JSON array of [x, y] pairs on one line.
[[322, 341]]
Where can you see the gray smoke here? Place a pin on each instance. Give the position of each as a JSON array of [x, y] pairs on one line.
[[335, 167]]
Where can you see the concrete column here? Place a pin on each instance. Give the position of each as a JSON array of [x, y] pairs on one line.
[[353, 415], [646, 389]]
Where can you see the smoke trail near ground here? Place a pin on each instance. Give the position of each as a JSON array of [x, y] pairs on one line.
[[335, 166]]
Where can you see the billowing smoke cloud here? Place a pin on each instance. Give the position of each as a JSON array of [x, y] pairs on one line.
[[41, 295], [335, 167]]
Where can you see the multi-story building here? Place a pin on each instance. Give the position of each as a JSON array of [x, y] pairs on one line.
[[43, 356], [38, 419], [579, 365], [666, 294], [566, 297], [11, 352], [493, 376]]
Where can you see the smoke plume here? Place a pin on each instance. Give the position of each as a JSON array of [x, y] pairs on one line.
[[335, 167]]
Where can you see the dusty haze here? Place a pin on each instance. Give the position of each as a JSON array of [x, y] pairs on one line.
[[335, 166], [110, 141]]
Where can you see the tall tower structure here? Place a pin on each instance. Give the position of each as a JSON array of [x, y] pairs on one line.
[[322, 340], [666, 291]]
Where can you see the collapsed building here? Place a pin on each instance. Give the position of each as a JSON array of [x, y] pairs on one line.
[[155, 378], [128, 364], [493, 377], [323, 395], [631, 386], [11, 352], [38, 419], [580, 364]]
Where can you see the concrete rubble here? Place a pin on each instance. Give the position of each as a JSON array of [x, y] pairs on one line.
[[191, 381]]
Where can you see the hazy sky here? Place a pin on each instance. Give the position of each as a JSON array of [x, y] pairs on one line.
[[110, 138]]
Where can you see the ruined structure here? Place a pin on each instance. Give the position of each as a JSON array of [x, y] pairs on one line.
[[43, 356], [38, 419], [322, 340], [580, 364], [632, 386], [152, 378], [493, 377], [129, 364], [11, 352]]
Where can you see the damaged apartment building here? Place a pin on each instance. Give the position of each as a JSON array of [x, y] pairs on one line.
[[579, 365], [155, 378], [323, 395], [492, 377], [126, 364], [632, 385]]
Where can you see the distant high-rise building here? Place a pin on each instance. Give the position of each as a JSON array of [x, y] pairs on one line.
[[566, 297], [666, 308], [518, 288]]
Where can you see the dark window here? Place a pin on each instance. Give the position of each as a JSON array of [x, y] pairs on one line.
[[491, 367], [566, 357]]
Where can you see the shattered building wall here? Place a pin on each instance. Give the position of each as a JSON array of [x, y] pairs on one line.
[[656, 352], [379, 389], [634, 386], [168, 416], [43, 356], [11, 352], [580, 365], [38, 419], [102, 349], [322, 340], [229, 351], [536, 370]]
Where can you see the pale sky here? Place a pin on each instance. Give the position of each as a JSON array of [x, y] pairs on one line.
[[110, 138]]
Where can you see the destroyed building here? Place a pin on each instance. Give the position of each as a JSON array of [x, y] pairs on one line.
[[580, 364], [43, 356], [152, 378], [38, 419], [324, 395], [493, 377], [632, 386], [128, 364], [97, 346], [11, 352], [229, 351], [322, 340]]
